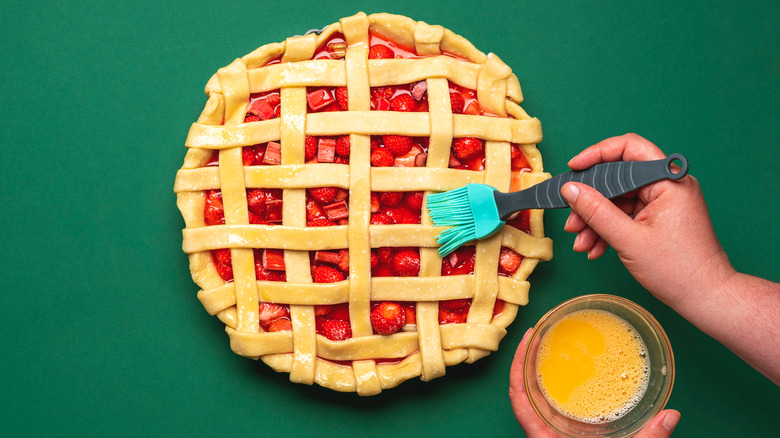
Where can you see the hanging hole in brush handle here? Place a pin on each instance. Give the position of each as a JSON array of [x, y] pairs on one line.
[[681, 164]]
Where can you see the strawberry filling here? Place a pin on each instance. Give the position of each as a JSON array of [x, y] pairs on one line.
[[329, 206]]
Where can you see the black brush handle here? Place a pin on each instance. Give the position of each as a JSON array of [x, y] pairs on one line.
[[610, 179]]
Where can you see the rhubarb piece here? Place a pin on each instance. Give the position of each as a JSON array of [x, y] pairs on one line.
[[337, 210], [273, 259], [419, 89], [326, 257], [273, 210], [409, 158], [319, 99], [326, 150], [273, 153]]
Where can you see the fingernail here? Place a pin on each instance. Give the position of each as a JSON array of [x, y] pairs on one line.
[[570, 192], [670, 421]]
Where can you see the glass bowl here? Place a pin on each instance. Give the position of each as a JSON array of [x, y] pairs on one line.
[[660, 372]]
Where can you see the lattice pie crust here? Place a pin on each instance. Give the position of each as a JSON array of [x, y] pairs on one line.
[[308, 357]]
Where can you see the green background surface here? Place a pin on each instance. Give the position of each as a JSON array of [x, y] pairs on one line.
[[102, 333]]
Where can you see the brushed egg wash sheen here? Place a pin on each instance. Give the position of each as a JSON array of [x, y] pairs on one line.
[[592, 366]]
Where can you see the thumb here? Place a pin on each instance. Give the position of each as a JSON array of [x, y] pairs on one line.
[[661, 426], [604, 217]]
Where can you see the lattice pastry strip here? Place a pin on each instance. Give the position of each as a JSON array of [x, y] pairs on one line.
[[263, 114]]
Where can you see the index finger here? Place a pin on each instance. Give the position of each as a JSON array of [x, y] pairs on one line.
[[516, 370], [628, 147]]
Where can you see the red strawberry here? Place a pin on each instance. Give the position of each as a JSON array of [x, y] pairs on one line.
[[326, 274], [391, 199], [256, 201], [466, 147], [460, 262], [387, 318], [323, 195], [374, 144], [344, 260], [380, 52], [397, 144], [252, 118], [273, 194], [223, 263], [508, 261], [381, 157], [414, 200], [403, 102], [311, 147], [322, 309], [252, 155], [321, 222], [274, 98], [402, 215], [456, 99], [280, 325], [343, 146], [382, 271], [267, 312], [378, 93], [213, 213], [342, 98], [374, 202], [381, 219], [313, 210], [450, 317], [455, 305], [336, 330], [406, 262], [339, 312], [374, 260], [385, 255]]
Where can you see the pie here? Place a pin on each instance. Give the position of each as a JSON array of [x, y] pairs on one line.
[[303, 194]]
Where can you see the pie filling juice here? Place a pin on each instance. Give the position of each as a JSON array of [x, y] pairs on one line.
[[592, 366]]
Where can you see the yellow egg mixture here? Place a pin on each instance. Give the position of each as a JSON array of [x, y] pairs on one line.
[[592, 366]]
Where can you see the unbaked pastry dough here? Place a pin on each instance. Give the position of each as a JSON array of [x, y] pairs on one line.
[[306, 356]]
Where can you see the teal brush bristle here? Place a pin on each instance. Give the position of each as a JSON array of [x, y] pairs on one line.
[[458, 209]]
